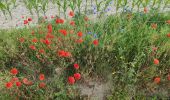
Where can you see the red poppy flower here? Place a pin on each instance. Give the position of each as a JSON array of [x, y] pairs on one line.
[[15, 79], [45, 17], [79, 40], [157, 80], [42, 85], [67, 54], [21, 40], [41, 77], [59, 21], [49, 35], [64, 32], [25, 22], [76, 66], [61, 53], [86, 18], [71, 13], [156, 61], [14, 71], [34, 40], [8, 85], [18, 84], [27, 82], [52, 16], [77, 76], [154, 26], [22, 17], [38, 56], [145, 10], [96, 42], [71, 80], [47, 42], [168, 35], [72, 23], [29, 19], [80, 34], [154, 48], [50, 28], [169, 77], [168, 21], [32, 47], [41, 51]]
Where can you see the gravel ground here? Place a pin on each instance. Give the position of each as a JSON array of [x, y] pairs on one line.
[[20, 10]]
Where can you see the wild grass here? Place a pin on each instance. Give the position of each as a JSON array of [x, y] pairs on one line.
[[128, 44], [125, 50]]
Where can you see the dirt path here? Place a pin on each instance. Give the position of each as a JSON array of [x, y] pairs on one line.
[[95, 90]]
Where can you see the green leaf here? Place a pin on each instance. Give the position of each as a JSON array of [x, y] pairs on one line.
[[2, 6]]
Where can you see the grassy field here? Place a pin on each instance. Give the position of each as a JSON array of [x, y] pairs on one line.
[[55, 59]]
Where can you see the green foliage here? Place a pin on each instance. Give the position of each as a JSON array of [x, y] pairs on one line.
[[125, 49], [133, 52]]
